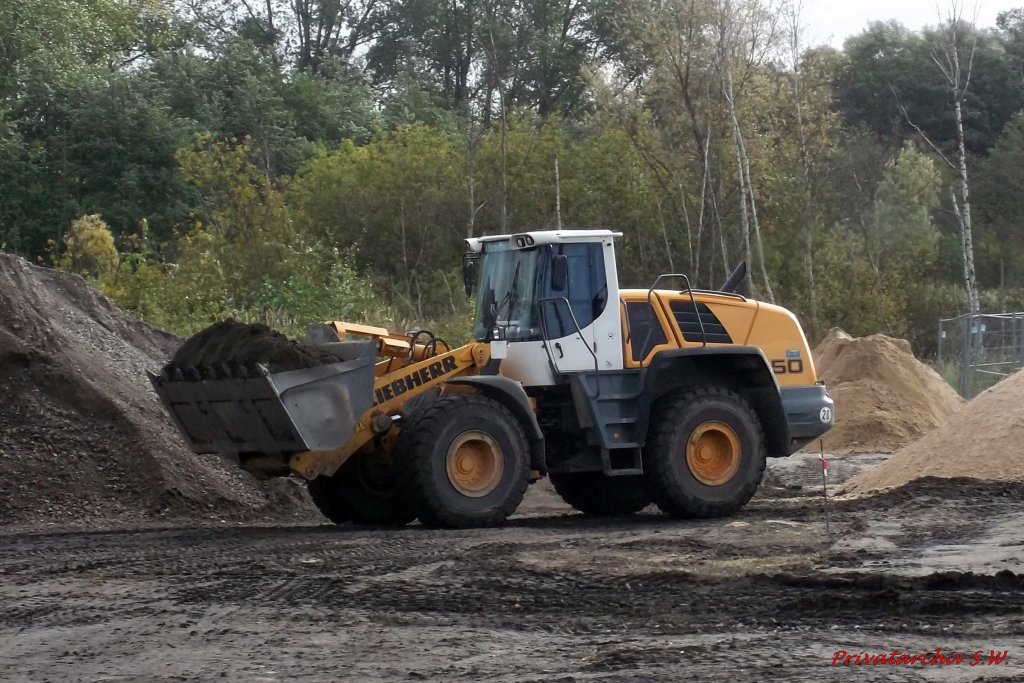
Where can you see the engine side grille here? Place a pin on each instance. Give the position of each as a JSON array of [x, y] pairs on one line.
[[690, 326]]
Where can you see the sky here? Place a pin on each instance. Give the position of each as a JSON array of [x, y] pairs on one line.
[[831, 21]]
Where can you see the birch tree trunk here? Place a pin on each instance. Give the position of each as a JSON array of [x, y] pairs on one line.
[[959, 80], [664, 237], [689, 228], [725, 68], [471, 223], [748, 202], [492, 55], [795, 44], [966, 228], [755, 222], [558, 196]]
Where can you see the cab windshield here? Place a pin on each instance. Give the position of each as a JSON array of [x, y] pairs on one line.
[[506, 294]]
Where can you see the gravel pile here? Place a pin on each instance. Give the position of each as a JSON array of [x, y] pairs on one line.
[[83, 438]]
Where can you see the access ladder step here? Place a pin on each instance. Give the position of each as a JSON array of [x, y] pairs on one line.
[[608, 398], [622, 462]]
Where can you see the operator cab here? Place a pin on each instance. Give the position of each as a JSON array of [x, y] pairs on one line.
[[548, 302]]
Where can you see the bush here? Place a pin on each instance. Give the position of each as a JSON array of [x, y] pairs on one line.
[[89, 248]]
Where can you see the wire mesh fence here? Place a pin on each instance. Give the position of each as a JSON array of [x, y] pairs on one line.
[[977, 351]]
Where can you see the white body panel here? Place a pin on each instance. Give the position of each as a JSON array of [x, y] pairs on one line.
[[531, 239], [533, 365]]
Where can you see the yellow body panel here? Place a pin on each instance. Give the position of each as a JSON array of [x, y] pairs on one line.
[[737, 316], [770, 328], [777, 332], [663, 320]]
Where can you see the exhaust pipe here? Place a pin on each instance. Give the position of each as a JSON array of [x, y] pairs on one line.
[[733, 282]]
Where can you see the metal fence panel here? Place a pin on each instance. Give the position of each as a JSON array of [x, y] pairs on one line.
[[977, 351]]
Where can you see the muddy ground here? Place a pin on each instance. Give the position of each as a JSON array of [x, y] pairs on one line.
[[766, 596]]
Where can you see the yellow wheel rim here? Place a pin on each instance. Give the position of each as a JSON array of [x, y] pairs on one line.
[[475, 464], [713, 453]]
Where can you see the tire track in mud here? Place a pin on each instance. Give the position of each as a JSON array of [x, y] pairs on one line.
[[416, 574], [643, 599]]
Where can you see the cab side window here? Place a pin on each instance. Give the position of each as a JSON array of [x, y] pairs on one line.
[[645, 330], [586, 289]]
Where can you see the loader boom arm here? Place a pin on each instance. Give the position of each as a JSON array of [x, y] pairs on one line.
[[397, 383]]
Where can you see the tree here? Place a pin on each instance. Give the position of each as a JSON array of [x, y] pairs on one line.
[[887, 67], [470, 52], [889, 70], [54, 41], [1001, 213], [816, 132], [401, 205], [330, 30], [319, 37], [436, 43], [731, 40], [243, 225], [905, 239]]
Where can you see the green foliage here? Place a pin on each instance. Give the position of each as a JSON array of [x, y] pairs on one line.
[[397, 199], [905, 240], [92, 147], [242, 258], [196, 291], [300, 161], [244, 227], [63, 41], [1001, 235], [888, 69]]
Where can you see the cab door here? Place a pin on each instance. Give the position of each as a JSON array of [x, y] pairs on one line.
[[590, 342], [588, 288]]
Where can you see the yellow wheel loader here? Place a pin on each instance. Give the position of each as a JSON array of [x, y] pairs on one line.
[[664, 395]]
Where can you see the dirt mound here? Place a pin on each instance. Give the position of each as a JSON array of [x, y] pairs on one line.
[[829, 347], [83, 437], [239, 345], [983, 441], [885, 397]]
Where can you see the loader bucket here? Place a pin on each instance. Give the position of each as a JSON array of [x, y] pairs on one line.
[[311, 409]]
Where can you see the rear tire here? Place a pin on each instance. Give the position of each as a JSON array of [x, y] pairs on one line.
[[363, 491], [463, 461], [706, 454], [323, 491], [594, 493]]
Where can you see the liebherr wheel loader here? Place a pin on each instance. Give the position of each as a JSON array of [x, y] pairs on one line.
[[664, 395]]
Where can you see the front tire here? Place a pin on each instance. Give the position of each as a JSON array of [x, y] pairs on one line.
[[462, 462], [594, 493], [706, 454]]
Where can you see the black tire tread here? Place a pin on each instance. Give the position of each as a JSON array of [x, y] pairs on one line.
[[341, 498], [331, 506], [420, 431], [669, 498], [593, 493]]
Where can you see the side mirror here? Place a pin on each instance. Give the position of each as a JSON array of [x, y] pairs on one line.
[[468, 266], [560, 273]]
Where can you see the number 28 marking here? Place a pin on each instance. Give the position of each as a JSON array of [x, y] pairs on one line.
[[794, 366]]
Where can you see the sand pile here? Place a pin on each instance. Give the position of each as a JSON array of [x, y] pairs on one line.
[[983, 441], [885, 398], [83, 437]]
